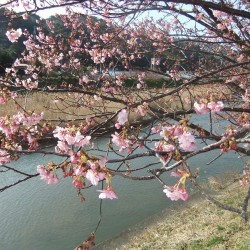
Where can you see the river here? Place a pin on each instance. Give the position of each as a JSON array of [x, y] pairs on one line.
[[38, 216]]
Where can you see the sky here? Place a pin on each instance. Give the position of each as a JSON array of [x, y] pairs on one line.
[[51, 12], [44, 14], [61, 10]]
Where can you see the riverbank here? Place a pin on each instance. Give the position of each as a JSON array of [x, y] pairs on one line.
[[194, 225], [71, 106]]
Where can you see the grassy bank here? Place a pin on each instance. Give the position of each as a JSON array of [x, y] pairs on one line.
[[74, 106], [195, 225]]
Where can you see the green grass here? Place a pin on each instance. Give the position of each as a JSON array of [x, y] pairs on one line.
[[201, 244], [244, 245], [215, 240]]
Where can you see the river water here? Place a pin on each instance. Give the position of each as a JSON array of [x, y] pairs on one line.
[[38, 216]]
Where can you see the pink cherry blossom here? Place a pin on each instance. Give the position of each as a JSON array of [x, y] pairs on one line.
[[171, 131], [74, 157], [120, 141], [109, 45], [187, 142], [32, 119], [70, 138], [60, 133], [78, 183], [119, 80], [84, 79], [156, 129], [221, 26], [81, 140], [142, 109], [175, 194], [62, 147], [4, 157], [25, 16], [155, 61], [162, 146], [13, 35], [8, 70], [46, 175], [200, 108], [117, 125], [28, 120], [9, 125], [52, 179], [13, 95], [92, 177], [107, 194], [92, 165], [78, 170], [241, 58], [27, 5], [122, 117], [33, 144], [215, 106]]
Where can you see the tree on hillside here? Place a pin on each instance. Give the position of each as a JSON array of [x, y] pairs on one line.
[[209, 38]]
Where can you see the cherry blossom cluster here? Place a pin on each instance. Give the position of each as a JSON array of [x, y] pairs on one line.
[[230, 143], [174, 135], [6, 94], [122, 118], [69, 137], [205, 107], [94, 170], [81, 168], [64, 54], [143, 109], [20, 128], [244, 119], [46, 175], [29, 83], [121, 141], [4, 157], [178, 191], [13, 35]]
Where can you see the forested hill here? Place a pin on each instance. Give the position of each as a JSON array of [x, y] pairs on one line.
[[10, 51]]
